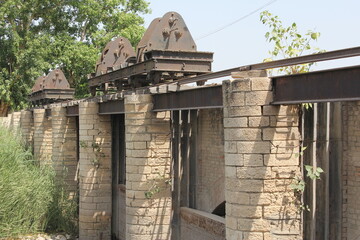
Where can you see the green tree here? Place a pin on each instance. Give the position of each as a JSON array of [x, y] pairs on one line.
[[39, 35], [288, 42]]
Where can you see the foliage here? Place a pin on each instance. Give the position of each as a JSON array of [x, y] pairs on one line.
[[158, 184], [97, 150], [39, 35], [63, 212], [313, 173], [30, 200], [288, 42], [299, 184]]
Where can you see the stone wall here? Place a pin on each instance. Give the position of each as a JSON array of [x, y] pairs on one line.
[[95, 173], [27, 126], [64, 148], [210, 163], [147, 165], [193, 227], [351, 171], [260, 163], [42, 136], [246, 155]]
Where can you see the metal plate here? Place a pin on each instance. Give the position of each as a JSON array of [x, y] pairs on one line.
[[72, 111], [199, 98], [112, 107], [322, 86], [180, 62]]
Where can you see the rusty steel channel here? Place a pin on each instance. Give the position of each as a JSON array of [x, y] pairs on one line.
[[112, 107], [188, 63], [332, 55], [332, 85], [198, 98], [72, 111]]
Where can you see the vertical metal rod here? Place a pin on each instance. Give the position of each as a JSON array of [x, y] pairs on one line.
[[335, 172], [327, 171], [314, 165], [175, 147], [193, 157], [184, 160]]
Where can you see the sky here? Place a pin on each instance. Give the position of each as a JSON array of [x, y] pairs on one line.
[[244, 43]]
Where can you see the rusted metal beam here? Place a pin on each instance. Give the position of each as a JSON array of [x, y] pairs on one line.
[[53, 95], [112, 107], [188, 63], [198, 98], [332, 55], [322, 86], [72, 111]]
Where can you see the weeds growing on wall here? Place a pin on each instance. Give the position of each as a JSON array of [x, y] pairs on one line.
[[29, 197]]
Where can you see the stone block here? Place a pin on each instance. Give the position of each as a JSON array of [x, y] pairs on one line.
[[230, 147], [281, 133], [244, 185], [281, 160], [234, 159], [289, 110], [254, 225], [261, 84], [258, 98], [253, 147], [244, 111], [235, 122], [253, 160], [240, 198], [259, 121], [242, 134], [243, 211], [253, 172]]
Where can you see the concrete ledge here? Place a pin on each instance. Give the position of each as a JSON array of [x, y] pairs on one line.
[[211, 223]]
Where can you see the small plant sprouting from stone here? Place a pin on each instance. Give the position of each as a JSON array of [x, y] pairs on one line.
[[97, 150], [158, 184], [83, 144], [299, 184]]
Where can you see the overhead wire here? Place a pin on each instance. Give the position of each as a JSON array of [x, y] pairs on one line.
[[238, 20]]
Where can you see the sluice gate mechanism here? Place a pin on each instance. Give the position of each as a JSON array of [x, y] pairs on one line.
[[51, 88], [167, 52]]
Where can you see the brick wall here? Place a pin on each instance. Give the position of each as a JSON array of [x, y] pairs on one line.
[[193, 227], [351, 170], [260, 143], [27, 126], [15, 120], [42, 136], [4, 121], [64, 147], [147, 158], [211, 164], [95, 173]]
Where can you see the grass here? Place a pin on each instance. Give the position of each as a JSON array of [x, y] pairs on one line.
[[30, 199]]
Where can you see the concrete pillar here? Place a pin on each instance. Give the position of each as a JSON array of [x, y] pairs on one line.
[[27, 127], [148, 213], [64, 148], [42, 137], [261, 142], [95, 173]]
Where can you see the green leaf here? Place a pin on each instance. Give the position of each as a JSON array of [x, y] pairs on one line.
[[315, 35]]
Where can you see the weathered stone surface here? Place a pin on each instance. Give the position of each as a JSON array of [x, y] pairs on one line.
[[267, 146]]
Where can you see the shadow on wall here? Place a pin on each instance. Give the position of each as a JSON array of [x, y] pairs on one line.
[[148, 166]]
